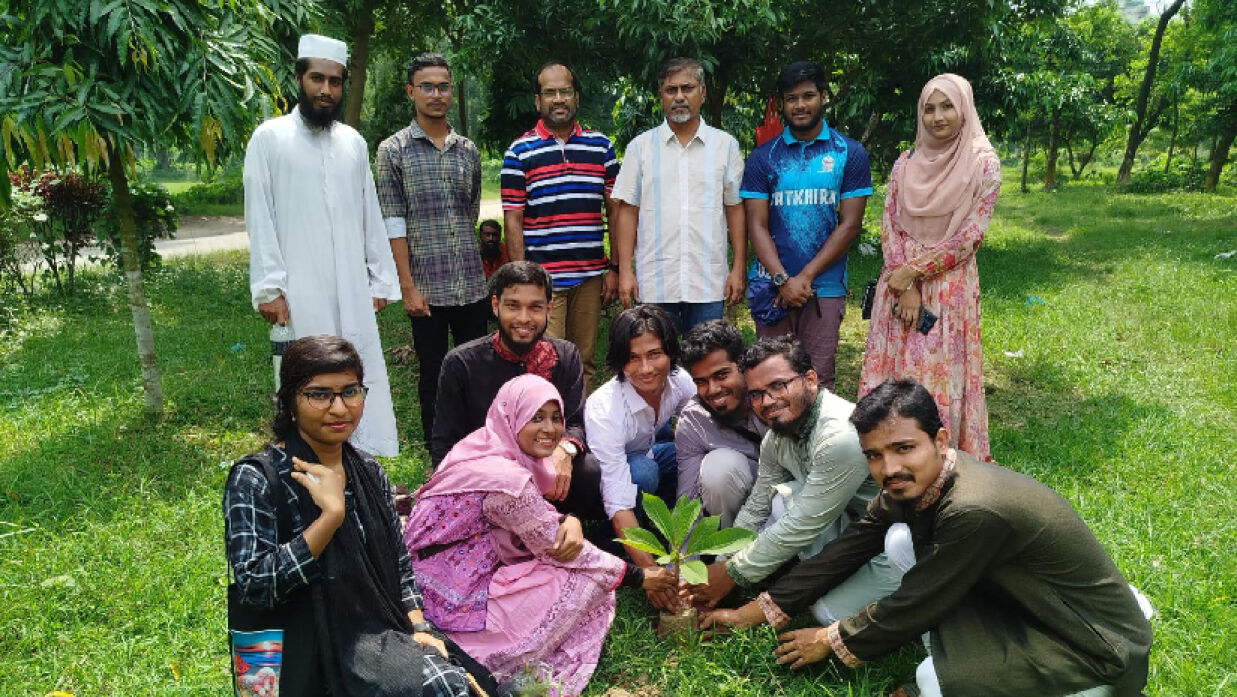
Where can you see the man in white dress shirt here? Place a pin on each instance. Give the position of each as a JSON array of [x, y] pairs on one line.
[[318, 253], [678, 191], [627, 422]]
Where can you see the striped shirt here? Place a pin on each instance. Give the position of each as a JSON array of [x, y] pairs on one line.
[[682, 193], [433, 197], [560, 186]]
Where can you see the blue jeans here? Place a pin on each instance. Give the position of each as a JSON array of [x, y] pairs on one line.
[[658, 475], [688, 315]]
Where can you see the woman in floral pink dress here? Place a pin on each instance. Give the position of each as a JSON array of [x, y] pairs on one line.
[[492, 573], [938, 203]]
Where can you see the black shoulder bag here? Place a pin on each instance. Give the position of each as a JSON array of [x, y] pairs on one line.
[[299, 670]]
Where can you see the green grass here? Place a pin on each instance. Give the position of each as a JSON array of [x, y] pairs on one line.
[[112, 572]]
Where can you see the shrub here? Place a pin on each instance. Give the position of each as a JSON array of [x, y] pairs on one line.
[[19, 249], [155, 217], [72, 203], [227, 189], [1154, 180]]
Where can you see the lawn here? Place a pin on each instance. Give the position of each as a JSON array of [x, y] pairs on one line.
[[1109, 333]]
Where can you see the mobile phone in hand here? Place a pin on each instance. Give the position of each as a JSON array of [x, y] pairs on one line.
[[926, 320]]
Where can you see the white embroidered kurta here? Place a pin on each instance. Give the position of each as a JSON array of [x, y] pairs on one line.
[[316, 237], [682, 193]]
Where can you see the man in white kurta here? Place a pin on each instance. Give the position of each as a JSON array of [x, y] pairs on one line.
[[317, 240]]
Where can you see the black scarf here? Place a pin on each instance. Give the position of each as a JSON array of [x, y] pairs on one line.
[[364, 636]]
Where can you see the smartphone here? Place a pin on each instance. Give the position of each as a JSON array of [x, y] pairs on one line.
[[926, 320]]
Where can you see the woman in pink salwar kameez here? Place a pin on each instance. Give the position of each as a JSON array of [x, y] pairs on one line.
[[482, 536], [938, 203]]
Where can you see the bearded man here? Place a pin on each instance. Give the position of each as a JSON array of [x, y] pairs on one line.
[[318, 256], [812, 481], [556, 179], [717, 440], [520, 297]]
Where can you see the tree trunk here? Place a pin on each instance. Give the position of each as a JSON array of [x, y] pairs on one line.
[[874, 121], [717, 98], [1026, 159], [1219, 154], [1137, 133], [1050, 155], [461, 100], [1172, 138], [133, 278], [358, 63]]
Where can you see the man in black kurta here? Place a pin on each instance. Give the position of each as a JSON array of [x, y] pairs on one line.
[[1018, 596], [472, 373]]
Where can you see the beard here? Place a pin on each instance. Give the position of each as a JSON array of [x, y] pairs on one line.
[[491, 251], [811, 125], [552, 120], [679, 116], [791, 428], [317, 117], [519, 348], [730, 417]]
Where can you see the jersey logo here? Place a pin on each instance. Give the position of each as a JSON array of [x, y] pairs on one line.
[[826, 163]]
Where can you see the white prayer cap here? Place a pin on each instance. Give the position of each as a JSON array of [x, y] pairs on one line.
[[318, 46]]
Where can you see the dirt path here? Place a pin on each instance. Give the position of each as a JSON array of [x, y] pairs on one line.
[[205, 234]]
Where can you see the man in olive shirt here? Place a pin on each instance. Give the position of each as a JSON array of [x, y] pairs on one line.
[[1011, 591]]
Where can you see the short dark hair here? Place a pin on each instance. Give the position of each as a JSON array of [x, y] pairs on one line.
[[302, 65], [633, 322], [707, 337], [515, 273], [575, 81], [680, 64], [303, 360], [429, 59], [904, 397], [492, 223], [786, 346], [800, 71]]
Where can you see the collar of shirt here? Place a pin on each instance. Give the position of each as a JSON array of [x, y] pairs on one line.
[[825, 134], [933, 492], [416, 131], [665, 135], [636, 404], [546, 134]]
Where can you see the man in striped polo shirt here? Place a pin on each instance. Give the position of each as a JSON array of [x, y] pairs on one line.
[[555, 180]]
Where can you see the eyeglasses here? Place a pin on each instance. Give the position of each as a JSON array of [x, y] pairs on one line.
[[562, 93], [322, 398], [441, 88], [776, 389]]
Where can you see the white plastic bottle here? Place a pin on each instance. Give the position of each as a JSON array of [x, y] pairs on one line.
[[281, 336]]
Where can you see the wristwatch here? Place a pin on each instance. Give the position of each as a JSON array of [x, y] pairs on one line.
[[779, 279], [569, 447], [423, 627]]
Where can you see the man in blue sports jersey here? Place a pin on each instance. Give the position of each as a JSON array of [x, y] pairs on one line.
[[804, 194], [556, 179]]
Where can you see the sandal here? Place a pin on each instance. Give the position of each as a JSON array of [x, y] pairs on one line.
[[910, 689]]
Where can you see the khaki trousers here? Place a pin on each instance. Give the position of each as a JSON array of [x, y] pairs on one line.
[[574, 317]]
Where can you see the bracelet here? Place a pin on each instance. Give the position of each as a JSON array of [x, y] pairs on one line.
[[612, 267], [425, 627]]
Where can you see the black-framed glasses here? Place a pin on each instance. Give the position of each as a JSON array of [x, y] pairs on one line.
[[776, 389], [562, 93], [441, 88], [322, 398]]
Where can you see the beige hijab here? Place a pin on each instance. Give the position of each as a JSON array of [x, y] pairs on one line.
[[938, 184]]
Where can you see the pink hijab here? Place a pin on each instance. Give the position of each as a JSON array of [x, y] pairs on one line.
[[938, 184], [489, 458]]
